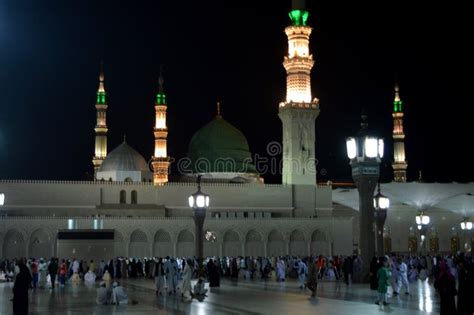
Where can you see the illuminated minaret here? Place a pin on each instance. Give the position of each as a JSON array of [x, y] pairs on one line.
[[101, 125], [399, 164], [299, 112], [160, 161]]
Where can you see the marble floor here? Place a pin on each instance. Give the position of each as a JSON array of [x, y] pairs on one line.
[[239, 297]]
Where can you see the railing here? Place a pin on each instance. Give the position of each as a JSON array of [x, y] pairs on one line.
[[117, 218], [169, 184]]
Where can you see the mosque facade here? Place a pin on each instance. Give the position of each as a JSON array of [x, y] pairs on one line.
[[132, 209]]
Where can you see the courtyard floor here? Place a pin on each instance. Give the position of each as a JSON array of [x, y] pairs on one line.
[[239, 297]]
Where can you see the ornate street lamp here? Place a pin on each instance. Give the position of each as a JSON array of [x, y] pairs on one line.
[[199, 202], [381, 204], [466, 225], [365, 151], [422, 220]]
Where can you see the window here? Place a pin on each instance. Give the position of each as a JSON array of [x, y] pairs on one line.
[[97, 224], [123, 196], [71, 224], [134, 197]]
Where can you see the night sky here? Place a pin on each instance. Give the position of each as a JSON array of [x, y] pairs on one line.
[[231, 51]]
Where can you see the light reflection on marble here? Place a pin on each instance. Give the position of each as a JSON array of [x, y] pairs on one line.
[[233, 297], [425, 293]]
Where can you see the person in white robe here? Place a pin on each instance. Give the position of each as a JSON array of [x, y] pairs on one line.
[[118, 294], [280, 270], [302, 272], [402, 277], [89, 278], [394, 278], [187, 274], [171, 275], [75, 266], [42, 269]]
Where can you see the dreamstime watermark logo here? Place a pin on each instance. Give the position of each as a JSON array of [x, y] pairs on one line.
[[298, 160]]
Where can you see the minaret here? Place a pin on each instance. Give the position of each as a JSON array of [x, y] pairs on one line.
[[160, 160], [101, 125], [299, 112], [399, 164]]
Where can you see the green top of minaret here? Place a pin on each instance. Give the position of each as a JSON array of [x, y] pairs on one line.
[[298, 13], [161, 96], [397, 102], [101, 91]]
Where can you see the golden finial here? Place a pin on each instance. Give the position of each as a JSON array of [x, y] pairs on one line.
[[397, 92], [218, 109], [101, 77]]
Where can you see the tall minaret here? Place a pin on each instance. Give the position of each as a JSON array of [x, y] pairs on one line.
[[299, 112], [101, 125], [160, 160], [399, 164]]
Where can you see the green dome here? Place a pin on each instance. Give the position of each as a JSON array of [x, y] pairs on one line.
[[219, 147]]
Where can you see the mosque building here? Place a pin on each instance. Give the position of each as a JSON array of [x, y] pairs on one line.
[[132, 209]]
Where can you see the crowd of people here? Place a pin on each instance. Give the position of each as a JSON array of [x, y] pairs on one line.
[[450, 275]]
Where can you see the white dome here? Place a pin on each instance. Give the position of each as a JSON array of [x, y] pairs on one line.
[[124, 158]]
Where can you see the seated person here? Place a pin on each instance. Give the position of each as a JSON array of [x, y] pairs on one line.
[[107, 277], [199, 290], [76, 279], [118, 294], [89, 277], [103, 294], [10, 275]]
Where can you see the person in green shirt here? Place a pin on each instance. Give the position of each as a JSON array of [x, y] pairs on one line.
[[383, 277]]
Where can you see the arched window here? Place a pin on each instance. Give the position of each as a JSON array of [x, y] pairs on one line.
[[123, 196], [134, 197], [128, 179]]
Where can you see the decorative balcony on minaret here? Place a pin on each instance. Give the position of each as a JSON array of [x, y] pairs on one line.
[[300, 110], [160, 160], [101, 125], [399, 164]]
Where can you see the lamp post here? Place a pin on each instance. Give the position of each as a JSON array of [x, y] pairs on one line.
[[422, 220], [365, 152], [466, 226], [381, 204], [199, 202]]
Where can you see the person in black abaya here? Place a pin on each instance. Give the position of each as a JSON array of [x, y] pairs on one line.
[[213, 272], [445, 284], [374, 268], [20, 289]]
